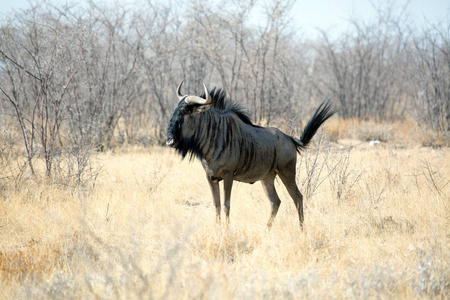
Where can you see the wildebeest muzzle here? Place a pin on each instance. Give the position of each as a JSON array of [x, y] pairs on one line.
[[170, 142]]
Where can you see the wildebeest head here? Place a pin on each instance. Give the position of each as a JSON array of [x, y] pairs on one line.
[[188, 106]]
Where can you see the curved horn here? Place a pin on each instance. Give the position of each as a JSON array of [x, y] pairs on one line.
[[208, 96], [180, 96], [199, 100]]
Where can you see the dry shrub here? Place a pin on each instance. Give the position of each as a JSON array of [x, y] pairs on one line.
[[402, 132], [371, 130], [363, 130], [430, 138], [406, 132], [339, 128], [343, 177]]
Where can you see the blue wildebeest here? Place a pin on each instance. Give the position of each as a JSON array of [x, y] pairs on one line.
[[219, 133]]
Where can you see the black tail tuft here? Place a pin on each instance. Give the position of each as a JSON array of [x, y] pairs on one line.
[[323, 113]]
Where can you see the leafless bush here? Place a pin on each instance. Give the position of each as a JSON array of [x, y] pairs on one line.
[[313, 163], [435, 181], [12, 169], [342, 175], [431, 57], [64, 94]]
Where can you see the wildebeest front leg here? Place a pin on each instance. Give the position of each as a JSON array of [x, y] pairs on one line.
[[227, 185], [269, 188], [216, 195]]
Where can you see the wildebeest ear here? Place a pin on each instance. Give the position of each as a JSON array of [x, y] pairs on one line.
[[202, 108]]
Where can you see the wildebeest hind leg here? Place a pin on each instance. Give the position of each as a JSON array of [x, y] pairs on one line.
[[291, 186], [216, 196], [269, 188]]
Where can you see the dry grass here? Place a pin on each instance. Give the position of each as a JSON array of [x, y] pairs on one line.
[[405, 133], [376, 226]]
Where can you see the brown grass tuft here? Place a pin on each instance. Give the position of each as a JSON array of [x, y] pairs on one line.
[[224, 243], [37, 258]]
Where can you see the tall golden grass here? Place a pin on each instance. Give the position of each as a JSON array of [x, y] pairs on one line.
[[376, 226]]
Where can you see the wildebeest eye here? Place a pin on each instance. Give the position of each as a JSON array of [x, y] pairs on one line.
[[188, 109]]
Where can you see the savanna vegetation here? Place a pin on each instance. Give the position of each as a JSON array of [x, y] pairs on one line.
[[92, 205]]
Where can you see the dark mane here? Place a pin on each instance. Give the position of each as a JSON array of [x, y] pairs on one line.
[[221, 103], [221, 114]]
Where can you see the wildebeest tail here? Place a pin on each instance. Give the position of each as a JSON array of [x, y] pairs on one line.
[[323, 113]]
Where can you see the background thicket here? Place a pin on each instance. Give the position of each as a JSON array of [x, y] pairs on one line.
[[81, 78]]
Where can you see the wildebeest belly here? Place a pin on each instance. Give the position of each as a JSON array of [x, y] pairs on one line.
[[248, 171], [250, 178], [256, 168]]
